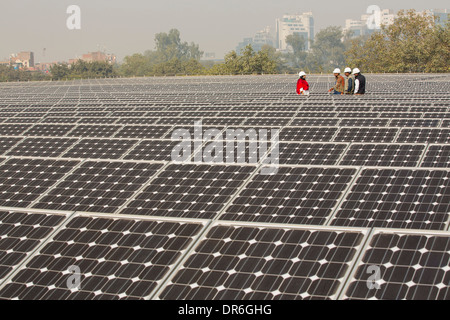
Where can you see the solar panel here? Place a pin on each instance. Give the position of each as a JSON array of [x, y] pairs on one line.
[[361, 122], [294, 153], [41, 147], [255, 262], [397, 198], [293, 195], [98, 186], [153, 150], [437, 156], [266, 121], [13, 129], [366, 134], [20, 234], [189, 191], [23, 180], [142, 120], [7, 143], [100, 120], [100, 148], [263, 221], [118, 259], [411, 266], [143, 132], [317, 134], [100, 131], [424, 135], [308, 122], [49, 130], [414, 123], [386, 155]]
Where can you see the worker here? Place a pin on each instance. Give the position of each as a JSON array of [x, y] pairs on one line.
[[349, 87], [360, 82], [340, 82], [302, 84]]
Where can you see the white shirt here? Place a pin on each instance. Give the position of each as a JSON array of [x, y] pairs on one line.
[[356, 85]]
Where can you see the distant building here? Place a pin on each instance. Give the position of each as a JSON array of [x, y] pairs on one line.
[[209, 56], [361, 27], [45, 66], [22, 60], [440, 14], [301, 24], [96, 56], [262, 38]]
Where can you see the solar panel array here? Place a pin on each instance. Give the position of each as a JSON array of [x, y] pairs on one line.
[[151, 188]]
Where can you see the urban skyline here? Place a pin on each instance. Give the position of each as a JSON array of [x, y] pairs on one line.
[[47, 53]]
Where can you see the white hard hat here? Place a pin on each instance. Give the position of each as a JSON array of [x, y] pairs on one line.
[[337, 70], [348, 70], [302, 73], [356, 70]]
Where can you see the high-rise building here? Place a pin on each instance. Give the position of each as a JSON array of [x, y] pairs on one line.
[[440, 14], [261, 38], [369, 23], [301, 24]]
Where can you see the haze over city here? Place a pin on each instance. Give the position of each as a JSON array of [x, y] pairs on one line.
[[127, 27]]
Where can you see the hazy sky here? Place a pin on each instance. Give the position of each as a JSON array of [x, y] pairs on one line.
[[125, 27]]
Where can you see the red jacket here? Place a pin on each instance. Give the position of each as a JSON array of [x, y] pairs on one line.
[[302, 84]]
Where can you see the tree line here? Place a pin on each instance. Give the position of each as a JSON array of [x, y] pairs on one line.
[[413, 43]]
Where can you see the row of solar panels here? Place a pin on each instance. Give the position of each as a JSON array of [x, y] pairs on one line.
[[139, 258], [224, 121], [289, 133], [291, 153], [338, 196]]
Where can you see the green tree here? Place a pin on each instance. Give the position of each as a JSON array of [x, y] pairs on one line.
[[327, 51], [297, 58], [413, 43], [172, 56]]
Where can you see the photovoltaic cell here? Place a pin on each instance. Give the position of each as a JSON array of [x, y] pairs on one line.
[[411, 266], [13, 129], [250, 262], [118, 259], [424, 135], [24, 180], [293, 153], [292, 195], [98, 186], [361, 122], [314, 122], [49, 130], [41, 147], [20, 234], [437, 156], [366, 134], [189, 190], [7, 143], [386, 155], [318, 134], [95, 131], [156, 150], [144, 132], [397, 198], [100, 148]]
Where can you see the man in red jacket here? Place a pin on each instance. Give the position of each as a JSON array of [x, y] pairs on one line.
[[302, 84]]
